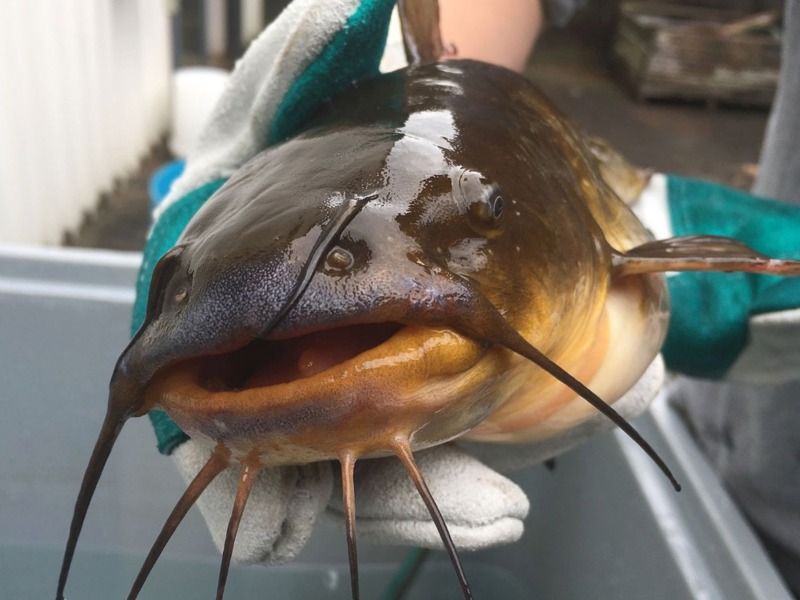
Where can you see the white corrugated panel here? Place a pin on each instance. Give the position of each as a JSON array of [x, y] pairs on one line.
[[84, 93]]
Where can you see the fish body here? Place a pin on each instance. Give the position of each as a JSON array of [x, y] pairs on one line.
[[435, 148]]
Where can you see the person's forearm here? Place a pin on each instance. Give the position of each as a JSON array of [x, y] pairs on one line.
[[502, 32]]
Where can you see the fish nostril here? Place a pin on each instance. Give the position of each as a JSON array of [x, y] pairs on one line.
[[339, 259]]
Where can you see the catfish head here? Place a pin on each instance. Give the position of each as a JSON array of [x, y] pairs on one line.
[[297, 318]]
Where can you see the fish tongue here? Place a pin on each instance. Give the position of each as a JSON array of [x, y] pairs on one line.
[[313, 353], [313, 360], [329, 348]]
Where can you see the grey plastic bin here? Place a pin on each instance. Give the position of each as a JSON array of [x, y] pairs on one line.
[[604, 525]]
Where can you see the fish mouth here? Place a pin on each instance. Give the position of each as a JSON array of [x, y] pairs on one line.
[[269, 362], [351, 388]]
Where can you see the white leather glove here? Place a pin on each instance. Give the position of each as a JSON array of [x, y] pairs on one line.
[[481, 507]]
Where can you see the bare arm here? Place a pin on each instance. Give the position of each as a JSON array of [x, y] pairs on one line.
[[502, 32]]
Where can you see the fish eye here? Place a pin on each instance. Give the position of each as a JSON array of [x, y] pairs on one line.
[[497, 205], [488, 207], [178, 290], [180, 295], [339, 259], [482, 199]]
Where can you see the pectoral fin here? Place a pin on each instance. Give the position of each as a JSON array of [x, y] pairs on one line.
[[699, 253]]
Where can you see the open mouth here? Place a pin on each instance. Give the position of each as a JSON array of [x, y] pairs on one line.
[[263, 363], [307, 398]]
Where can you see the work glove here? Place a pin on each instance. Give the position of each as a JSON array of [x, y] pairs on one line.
[[736, 326], [313, 50]]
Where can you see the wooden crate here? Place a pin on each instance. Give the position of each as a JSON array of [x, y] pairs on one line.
[[667, 50]]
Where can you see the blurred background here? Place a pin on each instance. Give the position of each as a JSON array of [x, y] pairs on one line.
[[99, 95]]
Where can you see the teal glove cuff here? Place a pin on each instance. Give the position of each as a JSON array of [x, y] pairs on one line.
[[353, 53], [710, 311]]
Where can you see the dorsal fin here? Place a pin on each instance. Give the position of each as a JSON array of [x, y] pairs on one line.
[[699, 253], [422, 38]]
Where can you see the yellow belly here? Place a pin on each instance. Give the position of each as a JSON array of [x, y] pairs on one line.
[[613, 356]]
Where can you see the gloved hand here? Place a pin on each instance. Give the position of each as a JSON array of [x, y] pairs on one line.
[[738, 326], [313, 50], [742, 330]]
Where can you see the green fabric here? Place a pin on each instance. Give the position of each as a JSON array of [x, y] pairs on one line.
[[710, 311], [353, 53]]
